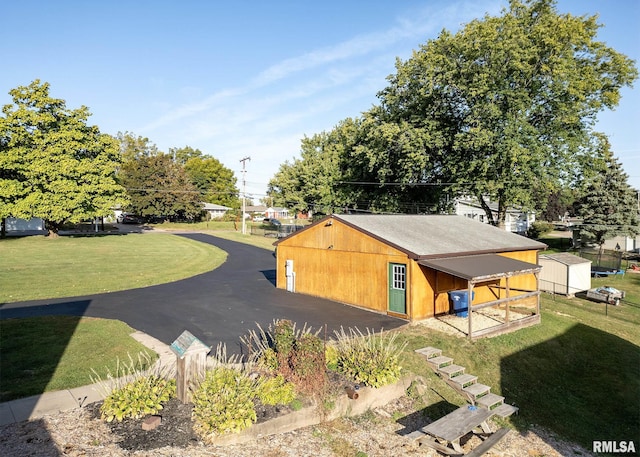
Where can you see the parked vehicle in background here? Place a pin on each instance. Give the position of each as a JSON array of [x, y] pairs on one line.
[[128, 218]]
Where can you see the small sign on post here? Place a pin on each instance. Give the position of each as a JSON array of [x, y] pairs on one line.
[[191, 363]]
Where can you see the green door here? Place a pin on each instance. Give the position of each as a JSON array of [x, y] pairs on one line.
[[397, 288]]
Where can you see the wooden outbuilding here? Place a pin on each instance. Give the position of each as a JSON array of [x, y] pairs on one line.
[[406, 266]]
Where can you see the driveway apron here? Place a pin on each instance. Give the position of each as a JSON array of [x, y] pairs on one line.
[[217, 306]]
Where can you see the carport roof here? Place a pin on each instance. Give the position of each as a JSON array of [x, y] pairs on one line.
[[482, 267]]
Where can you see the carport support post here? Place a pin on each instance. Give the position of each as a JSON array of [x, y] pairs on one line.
[[507, 295], [191, 363], [469, 312]]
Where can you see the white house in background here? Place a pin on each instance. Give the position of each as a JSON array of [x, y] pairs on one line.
[[17, 226], [516, 220], [276, 213], [215, 211], [623, 243]]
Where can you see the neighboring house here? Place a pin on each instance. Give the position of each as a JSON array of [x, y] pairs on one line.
[[259, 209], [623, 243], [516, 221], [618, 243], [564, 273], [276, 213], [270, 212], [406, 265], [215, 211], [257, 213], [17, 226]]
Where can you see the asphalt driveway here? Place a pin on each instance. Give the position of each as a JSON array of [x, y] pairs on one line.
[[218, 306]]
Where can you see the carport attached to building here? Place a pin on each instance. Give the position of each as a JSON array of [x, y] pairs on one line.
[[496, 283]]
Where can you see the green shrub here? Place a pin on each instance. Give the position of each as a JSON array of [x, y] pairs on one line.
[[284, 339], [539, 229], [269, 360], [137, 399], [308, 366], [296, 354], [136, 389], [331, 357], [275, 391], [223, 403], [370, 359]]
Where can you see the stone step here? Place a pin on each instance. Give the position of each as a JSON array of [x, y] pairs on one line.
[[451, 371], [464, 380], [429, 352], [440, 361], [505, 410], [477, 390], [490, 401]]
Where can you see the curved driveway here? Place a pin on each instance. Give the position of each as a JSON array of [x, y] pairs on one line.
[[217, 306]]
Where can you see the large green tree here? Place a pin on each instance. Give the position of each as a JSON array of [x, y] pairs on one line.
[[53, 165], [504, 106], [216, 183], [132, 146], [160, 187], [609, 207], [182, 155], [313, 182]]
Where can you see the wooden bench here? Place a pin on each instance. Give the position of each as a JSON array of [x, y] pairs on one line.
[[487, 444]]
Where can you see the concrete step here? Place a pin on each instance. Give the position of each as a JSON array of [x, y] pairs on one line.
[[429, 352], [464, 380], [505, 410], [440, 361], [490, 401], [477, 390], [451, 371]]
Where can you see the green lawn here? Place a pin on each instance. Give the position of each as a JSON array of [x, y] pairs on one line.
[[577, 373], [40, 267]]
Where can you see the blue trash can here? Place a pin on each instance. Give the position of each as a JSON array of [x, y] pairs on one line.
[[460, 301]]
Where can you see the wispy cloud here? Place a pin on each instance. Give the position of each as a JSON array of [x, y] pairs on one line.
[[419, 25], [267, 117]]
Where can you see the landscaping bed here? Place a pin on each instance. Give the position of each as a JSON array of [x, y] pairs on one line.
[[176, 425]]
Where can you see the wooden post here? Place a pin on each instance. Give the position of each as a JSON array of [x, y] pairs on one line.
[[537, 275], [469, 312], [508, 294], [191, 363]]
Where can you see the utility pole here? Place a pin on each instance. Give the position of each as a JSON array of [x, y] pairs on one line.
[[244, 194]]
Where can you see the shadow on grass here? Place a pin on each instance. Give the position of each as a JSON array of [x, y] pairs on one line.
[[583, 384], [27, 373], [32, 350]]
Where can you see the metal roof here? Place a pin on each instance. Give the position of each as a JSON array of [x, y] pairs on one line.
[[433, 236], [481, 267], [565, 258]]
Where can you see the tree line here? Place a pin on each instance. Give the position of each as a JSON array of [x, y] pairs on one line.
[[504, 111], [55, 166]]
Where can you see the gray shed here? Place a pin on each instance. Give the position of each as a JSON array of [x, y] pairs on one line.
[[564, 273]]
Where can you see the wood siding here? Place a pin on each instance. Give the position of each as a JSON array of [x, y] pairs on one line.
[[340, 263], [335, 261]]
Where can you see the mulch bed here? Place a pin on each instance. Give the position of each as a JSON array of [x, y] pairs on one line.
[[176, 427]]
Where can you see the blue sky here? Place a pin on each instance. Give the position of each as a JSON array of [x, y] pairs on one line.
[[251, 78]]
